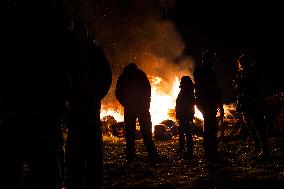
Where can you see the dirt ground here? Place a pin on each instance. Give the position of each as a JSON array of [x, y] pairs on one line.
[[239, 167]]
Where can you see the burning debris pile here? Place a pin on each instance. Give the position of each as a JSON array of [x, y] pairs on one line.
[[167, 128], [162, 109]]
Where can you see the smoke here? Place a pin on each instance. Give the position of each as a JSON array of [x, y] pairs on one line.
[[134, 31]]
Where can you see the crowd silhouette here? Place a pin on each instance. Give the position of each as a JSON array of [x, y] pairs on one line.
[[52, 68]]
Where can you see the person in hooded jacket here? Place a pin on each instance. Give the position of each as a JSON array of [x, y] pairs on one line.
[[90, 78], [133, 91], [184, 114]]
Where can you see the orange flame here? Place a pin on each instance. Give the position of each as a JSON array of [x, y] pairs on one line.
[[117, 114], [161, 102]]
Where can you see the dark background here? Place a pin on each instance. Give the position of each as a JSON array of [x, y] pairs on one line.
[[233, 27], [230, 27]]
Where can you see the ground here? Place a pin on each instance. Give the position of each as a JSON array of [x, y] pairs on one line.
[[239, 168]]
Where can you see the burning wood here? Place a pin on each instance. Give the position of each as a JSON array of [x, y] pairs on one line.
[[163, 108]]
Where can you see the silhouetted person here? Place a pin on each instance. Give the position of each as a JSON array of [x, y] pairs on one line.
[[208, 100], [91, 77], [33, 92], [251, 102], [133, 91], [184, 114]]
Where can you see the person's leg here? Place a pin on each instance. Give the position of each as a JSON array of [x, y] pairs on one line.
[[254, 133], [94, 154], [130, 128], [258, 121], [146, 131], [75, 151], [40, 149], [189, 140], [181, 134], [210, 134]]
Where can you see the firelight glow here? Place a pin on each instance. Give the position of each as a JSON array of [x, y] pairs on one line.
[[117, 115], [161, 102]]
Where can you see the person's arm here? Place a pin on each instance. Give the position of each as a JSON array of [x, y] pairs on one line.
[[118, 90]]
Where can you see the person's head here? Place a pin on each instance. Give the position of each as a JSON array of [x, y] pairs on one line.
[[186, 82], [130, 67], [208, 57], [244, 62]]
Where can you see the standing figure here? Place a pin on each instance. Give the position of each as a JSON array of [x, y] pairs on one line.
[[184, 114], [208, 100], [251, 102], [133, 91], [90, 77], [32, 91]]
